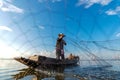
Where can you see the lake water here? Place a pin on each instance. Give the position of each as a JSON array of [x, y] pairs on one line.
[[12, 70]]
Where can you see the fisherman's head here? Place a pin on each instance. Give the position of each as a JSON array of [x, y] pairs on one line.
[[61, 35]]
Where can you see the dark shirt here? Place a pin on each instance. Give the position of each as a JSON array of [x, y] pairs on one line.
[[60, 43]]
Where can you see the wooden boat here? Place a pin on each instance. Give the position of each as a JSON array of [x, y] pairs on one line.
[[43, 62]]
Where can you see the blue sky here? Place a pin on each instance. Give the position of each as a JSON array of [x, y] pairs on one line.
[[32, 26]]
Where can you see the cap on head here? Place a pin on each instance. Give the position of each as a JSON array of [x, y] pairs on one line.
[[61, 34]]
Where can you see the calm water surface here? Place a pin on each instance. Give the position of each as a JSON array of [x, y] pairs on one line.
[[12, 70]]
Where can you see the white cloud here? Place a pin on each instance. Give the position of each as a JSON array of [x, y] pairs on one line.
[[118, 35], [53, 1], [9, 0], [116, 11], [6, 6], [41, 27], [5, 28], [89, 3]]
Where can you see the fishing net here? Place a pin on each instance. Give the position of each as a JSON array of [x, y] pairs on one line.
[[36, 29]]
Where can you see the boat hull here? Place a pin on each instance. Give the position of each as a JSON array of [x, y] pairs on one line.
[[46, 62]]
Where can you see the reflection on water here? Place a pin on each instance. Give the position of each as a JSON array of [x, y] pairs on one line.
[[19, 72], [37, 75], [43, 75], [29, 71], [89, 73]]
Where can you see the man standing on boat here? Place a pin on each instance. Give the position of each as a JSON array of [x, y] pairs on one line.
[[60, 46]]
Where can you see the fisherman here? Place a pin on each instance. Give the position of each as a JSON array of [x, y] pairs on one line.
[[71, 57], [60, 46]]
